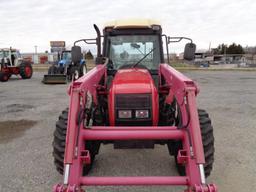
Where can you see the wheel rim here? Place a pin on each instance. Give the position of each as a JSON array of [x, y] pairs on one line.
[[5, 77], [76, 74], [84, 70], [28, 71]]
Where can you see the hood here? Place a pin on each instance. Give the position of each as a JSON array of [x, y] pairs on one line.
[[136, 87], [132, 81]]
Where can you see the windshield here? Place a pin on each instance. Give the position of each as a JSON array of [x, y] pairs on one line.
[[127, 50], [4, 54], [66, 55]]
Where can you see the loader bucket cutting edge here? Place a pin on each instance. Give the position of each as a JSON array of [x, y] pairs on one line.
[[54, 79]]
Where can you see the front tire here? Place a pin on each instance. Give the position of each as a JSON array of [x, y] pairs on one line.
[[4, 76], [208, 144], [26, 70], [52, 70], [61, 69], [59, 143]]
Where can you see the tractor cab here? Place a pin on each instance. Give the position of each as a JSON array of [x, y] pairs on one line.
[[10, 57], [134, 45], [65, 58], [139, 44]]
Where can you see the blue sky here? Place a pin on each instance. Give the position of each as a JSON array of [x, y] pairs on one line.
[[26, 23]]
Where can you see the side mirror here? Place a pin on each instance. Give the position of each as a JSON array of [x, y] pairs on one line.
[[76, 54], [189, 51]]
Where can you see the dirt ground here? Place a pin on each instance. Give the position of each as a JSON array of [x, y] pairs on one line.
[[29, 110]]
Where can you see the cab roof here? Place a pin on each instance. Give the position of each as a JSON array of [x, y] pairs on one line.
[[132, 23], [7, 49]]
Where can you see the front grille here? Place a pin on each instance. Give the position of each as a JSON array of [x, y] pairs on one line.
[[133, 101]]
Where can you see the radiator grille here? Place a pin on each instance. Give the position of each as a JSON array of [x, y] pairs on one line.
[[133, 101]]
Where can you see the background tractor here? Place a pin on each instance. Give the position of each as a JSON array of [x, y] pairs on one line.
[[11, 63], [131, 99], [65, 69]]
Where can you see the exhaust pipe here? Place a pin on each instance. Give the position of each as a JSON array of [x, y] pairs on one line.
[[98, 40]]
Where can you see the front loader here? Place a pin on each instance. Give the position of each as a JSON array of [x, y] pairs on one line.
[[65, 70], [132, 99]]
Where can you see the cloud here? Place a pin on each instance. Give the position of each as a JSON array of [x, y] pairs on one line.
[[26, 23]]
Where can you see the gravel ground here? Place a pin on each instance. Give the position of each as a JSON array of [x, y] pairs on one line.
[[29, 109]]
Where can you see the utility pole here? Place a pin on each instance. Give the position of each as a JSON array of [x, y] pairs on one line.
[[35, 49], [225, 56]]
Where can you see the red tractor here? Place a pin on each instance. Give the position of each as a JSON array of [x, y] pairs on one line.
[[11, 63], [131, 99]]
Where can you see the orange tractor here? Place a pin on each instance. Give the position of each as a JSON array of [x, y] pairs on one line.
[[11, 63]]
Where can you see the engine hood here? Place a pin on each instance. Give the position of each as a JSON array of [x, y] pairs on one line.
[[133, 89], [62, 62], [132, 81]]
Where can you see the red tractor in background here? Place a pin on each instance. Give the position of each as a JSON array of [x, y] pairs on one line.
[[131, 99], [11, 63]]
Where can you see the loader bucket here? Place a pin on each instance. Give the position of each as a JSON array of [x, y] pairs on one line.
[[55, 79]]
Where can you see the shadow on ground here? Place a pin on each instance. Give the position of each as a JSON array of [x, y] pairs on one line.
[[10, 130]]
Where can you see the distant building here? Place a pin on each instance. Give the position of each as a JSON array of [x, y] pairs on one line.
[[57, 46], [203, 58], [250, 60], [228, 59], [250, 56], [40, 58], [250, 50]]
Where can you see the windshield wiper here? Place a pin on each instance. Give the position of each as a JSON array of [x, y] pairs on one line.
[[143, 58]]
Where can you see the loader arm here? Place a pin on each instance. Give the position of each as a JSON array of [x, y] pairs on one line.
[[192, 156]]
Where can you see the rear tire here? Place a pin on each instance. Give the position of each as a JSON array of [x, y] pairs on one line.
[[74, 72], [59, 143], [26, 70], [82, 70], [208, 144], [52, 70], [4, 76]]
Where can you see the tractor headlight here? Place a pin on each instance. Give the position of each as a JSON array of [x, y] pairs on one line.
[[142, 114], [124, 114]]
